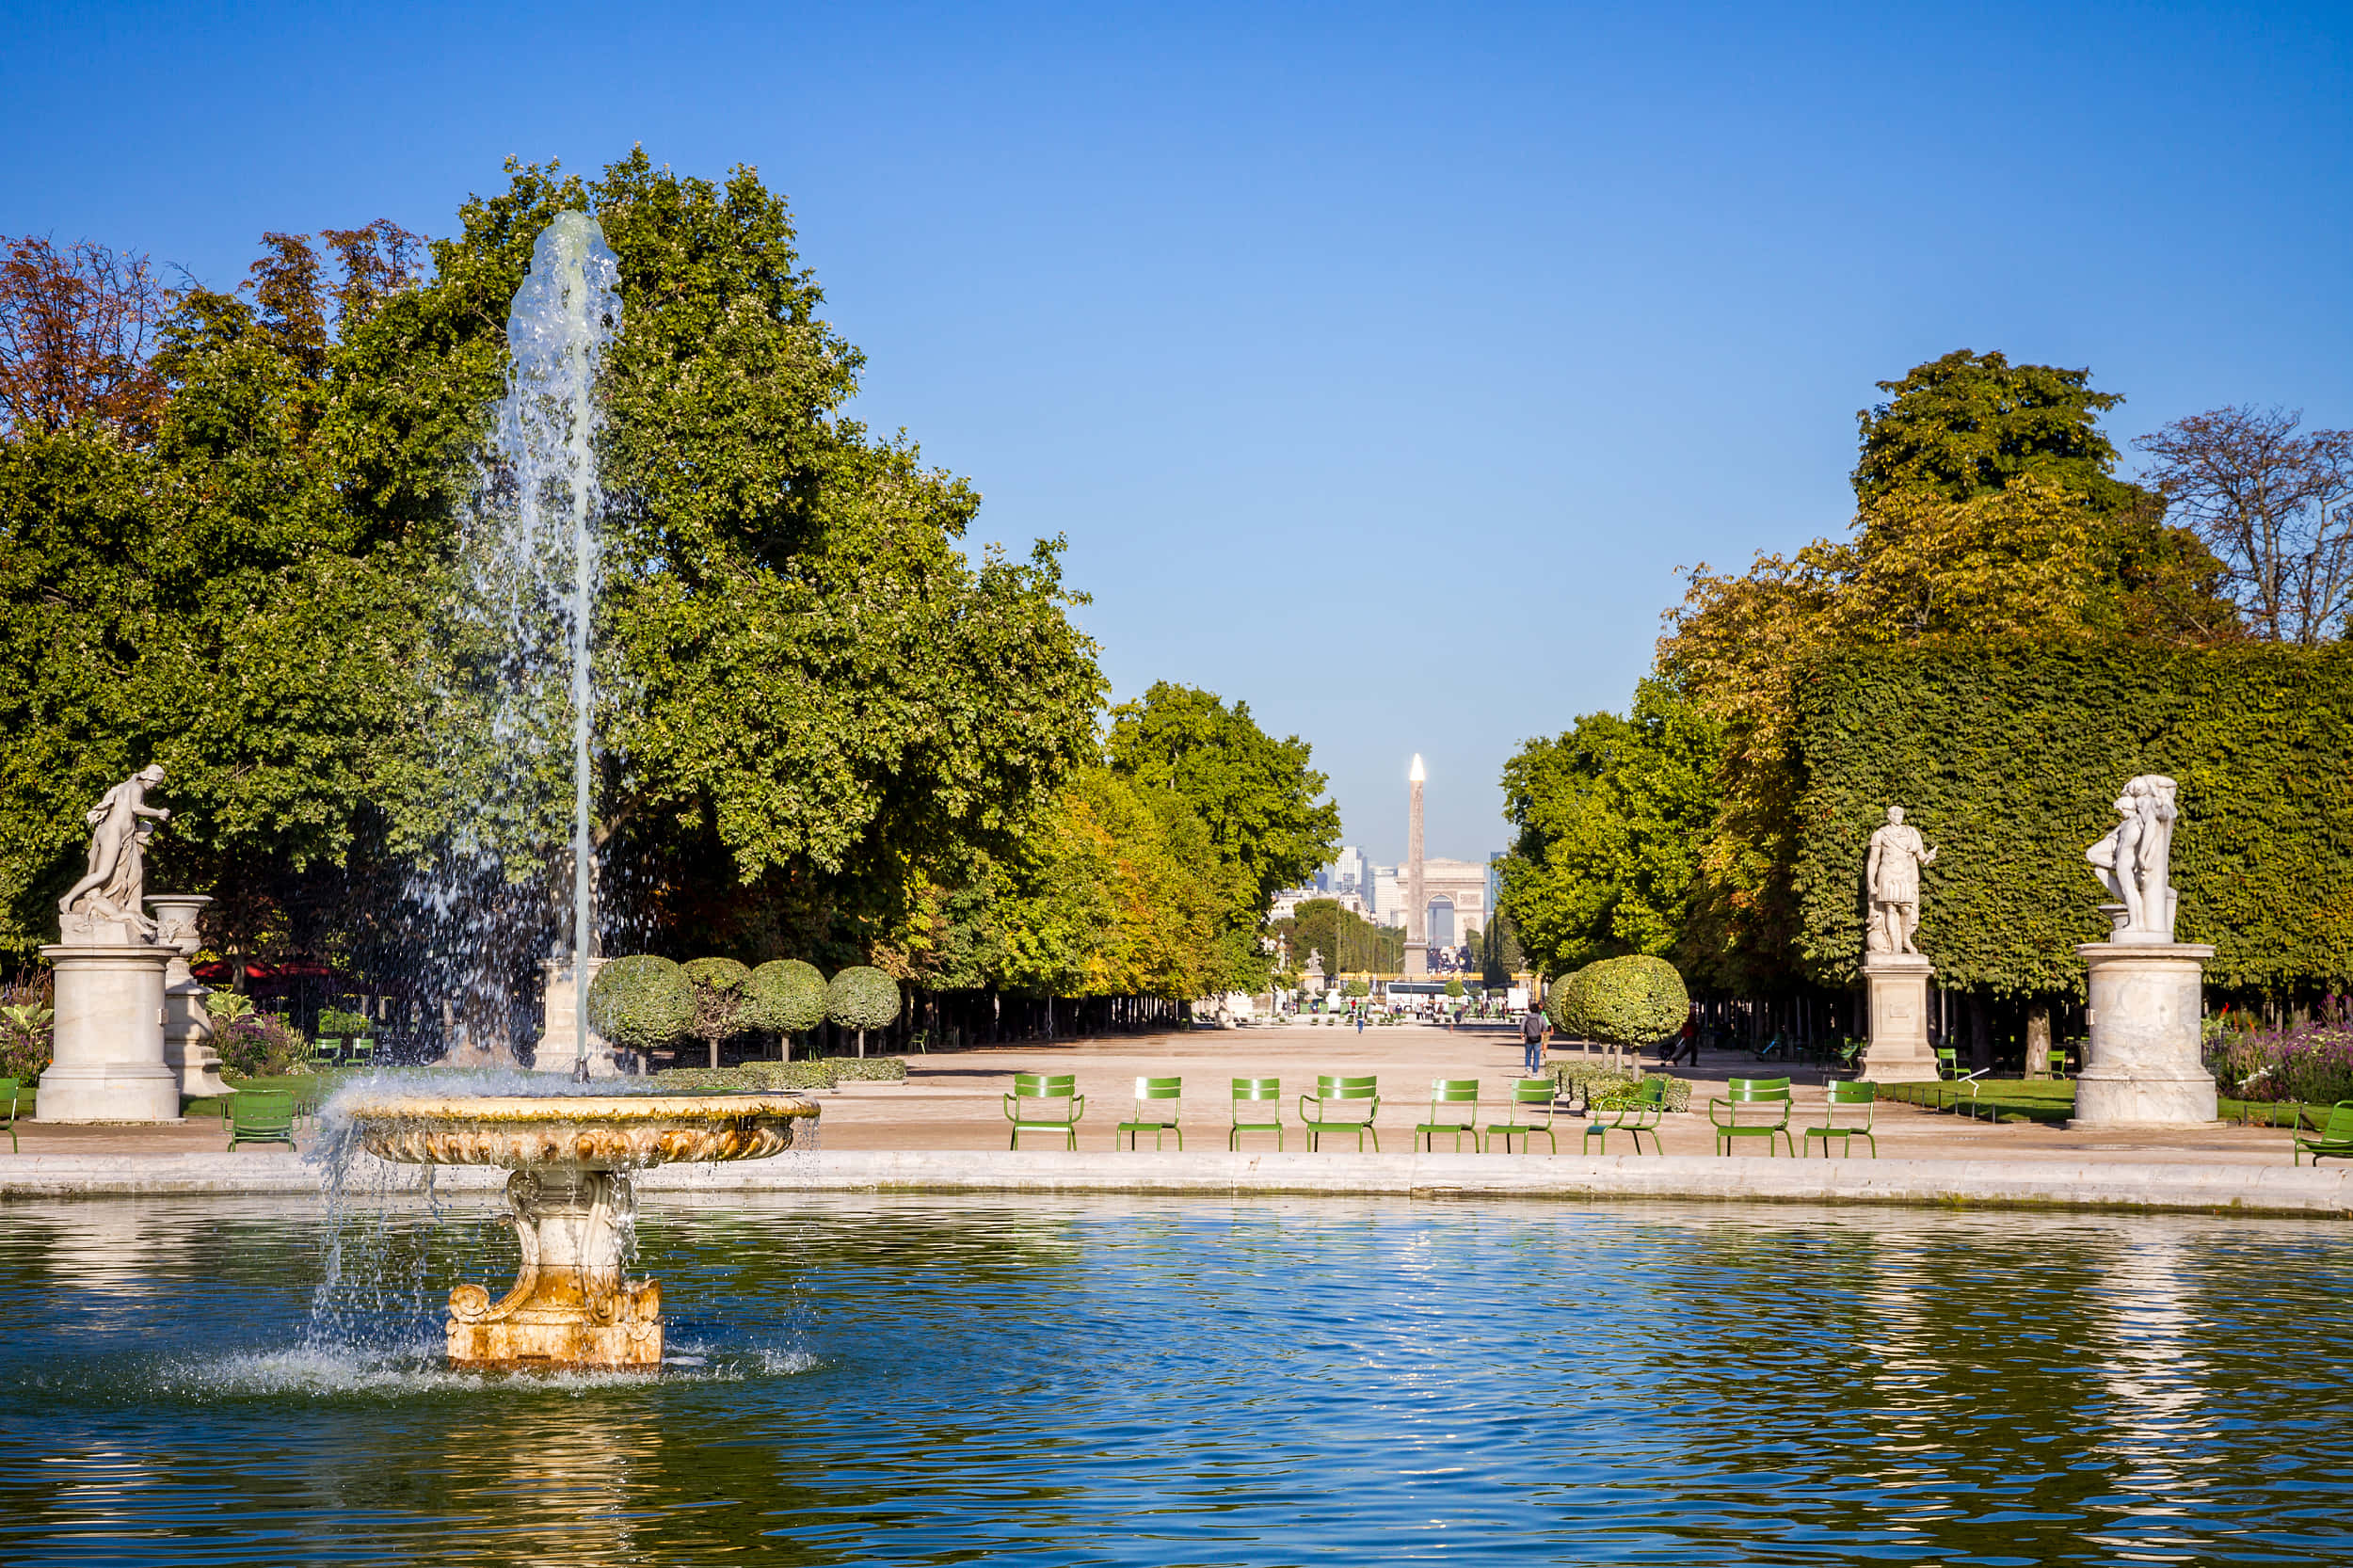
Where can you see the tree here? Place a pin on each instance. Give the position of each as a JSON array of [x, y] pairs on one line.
[[1500, 955], [786, 996], [723, 1003], [862, 998], [641, 1003], [1610, 815], [1346, 939], [2274, 506], [1210, 772], [76, 327], [1986, 508], [1255, 795], [1969, 423]]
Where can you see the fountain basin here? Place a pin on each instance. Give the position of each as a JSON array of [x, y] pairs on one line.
[[571, 1204]]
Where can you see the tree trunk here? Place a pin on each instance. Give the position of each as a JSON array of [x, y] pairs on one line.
[[861, 1044], [2039, 1040], [714, 1053]]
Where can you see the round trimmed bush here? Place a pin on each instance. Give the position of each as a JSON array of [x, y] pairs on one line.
[[1562, 1008], [642, 1003], [860, 998], [721, 1000], [1629, 1001], [787, 996]]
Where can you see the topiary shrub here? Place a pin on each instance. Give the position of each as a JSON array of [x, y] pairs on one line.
[[722, 1001], [1629, 1001], [1563, 1009], [788, 997], [859, 1069], [641, 1004], [862, 999], [1453, 987]]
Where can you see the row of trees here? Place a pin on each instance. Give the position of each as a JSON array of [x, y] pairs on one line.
[[1987, 508], [233, 525]]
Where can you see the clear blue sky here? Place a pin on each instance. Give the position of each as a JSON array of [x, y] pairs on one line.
[[1381, 362]]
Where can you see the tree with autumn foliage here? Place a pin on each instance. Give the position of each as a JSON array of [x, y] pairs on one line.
[[1987, 505]]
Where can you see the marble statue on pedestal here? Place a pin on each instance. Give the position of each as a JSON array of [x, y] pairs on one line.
[[1893, 874], [2145, 990], [1893, 972], [2135, 862], [107, 1041]]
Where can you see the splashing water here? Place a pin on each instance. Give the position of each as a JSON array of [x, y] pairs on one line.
[[520, 697]]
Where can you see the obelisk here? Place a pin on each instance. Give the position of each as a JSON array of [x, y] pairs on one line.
[[1417, 915]]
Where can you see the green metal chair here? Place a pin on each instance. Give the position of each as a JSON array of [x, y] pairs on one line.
[[1528, 1112], [1648, 1109], [327, 1050], [1765, 1098], [1253, 1092], [1444, 1094], [361, 1050], [9, 1087], [1837, 1118], [2336, 1137], [1044, 1102], [1156, 1108], [1341, 1105], [259, 1116]]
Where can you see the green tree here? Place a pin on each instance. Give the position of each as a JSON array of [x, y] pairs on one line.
[[723, 1001], [1970, 423], [1255, 800], [1609, 816]]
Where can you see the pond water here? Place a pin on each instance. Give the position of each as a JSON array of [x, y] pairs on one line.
[[927, 1380]]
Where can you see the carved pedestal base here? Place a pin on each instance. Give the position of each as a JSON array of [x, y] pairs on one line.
[[1898, 1051], [2144, 1068], [108, 1047], [570, 1305]]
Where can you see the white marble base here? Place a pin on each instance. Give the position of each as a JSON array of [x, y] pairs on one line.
[[108, 1051], [2145, 1008], [1898, 1051], [188, 1042], [557, 1049]]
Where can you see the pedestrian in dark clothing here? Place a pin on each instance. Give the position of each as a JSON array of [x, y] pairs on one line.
[[1533, 1030]]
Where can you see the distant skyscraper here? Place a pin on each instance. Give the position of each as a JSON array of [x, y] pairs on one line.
[[1416, 912]]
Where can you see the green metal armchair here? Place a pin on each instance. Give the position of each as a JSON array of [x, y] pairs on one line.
[[1751, 1107], [1341, 1105], [1157, 1101], [1044, 1102]]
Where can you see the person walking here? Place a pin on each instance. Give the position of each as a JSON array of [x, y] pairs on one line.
[[1534, 1029]]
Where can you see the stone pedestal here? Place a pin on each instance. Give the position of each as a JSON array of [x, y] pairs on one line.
[[1417, 959], [571, 1304], [1898, 1051], [108, 1054], [558, 1048], [188, 1048], [2143, 1068]]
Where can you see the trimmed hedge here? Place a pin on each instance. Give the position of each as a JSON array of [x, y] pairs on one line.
[[641, 1003], [753, 1078], [788, 997], [2007, 756]]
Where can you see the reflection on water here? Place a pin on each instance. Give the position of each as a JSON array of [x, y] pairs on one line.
[[1183, 1381]]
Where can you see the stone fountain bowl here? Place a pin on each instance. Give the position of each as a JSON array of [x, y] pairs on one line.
[[571, 1204], [610, 1132]]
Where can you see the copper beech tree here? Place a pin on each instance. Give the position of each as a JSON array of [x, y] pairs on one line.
[[76, 327]]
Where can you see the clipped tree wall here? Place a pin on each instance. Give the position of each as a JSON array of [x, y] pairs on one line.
[[2008, 756]]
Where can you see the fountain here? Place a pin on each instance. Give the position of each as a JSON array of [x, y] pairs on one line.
[[569, 1198], [570, 1203]]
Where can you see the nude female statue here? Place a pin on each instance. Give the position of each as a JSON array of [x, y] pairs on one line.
[[116, 873]]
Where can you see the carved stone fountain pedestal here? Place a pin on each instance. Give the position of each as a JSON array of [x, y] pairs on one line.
[[572, 1205]]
